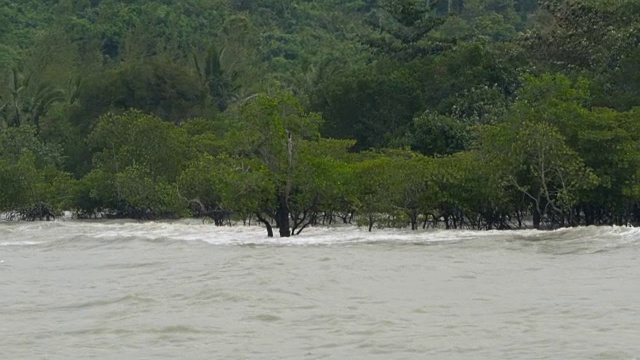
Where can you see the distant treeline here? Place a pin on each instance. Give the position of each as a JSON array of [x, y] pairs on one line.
[[480, 114]]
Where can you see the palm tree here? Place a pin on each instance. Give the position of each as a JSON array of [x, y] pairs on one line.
[[3, 108], [13, 109], [220, 82], [26, 103]]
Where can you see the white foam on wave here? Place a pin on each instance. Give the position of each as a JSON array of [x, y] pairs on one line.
[[35, 233], [20, 243]]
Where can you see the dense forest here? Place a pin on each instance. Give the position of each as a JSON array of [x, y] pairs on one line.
[[483, 114]]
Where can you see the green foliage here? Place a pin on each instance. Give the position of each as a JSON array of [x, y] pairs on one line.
[[434, 134], [14, 141], [219, 82], [495, 111], [413, 191], [373, 190], [158, 86], [370, 105], [271, 128], [8, 58], [377, 104], [32, 187], [536, 149], [403, 28], [137, 158], [207, 136], [222, 183], [323, 181], [31, 192], [129, 193], [596, 38], [133, 138], [470, 191], [26, 102]]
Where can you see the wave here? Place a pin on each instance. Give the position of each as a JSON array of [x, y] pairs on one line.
[[113, 232], [20, 243], [131, 298]]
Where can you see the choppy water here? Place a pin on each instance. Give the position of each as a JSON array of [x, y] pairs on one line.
[[126, 290]]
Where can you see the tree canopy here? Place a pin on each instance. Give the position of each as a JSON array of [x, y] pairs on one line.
[[484, 114]]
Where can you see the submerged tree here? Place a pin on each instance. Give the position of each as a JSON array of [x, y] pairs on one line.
[[322, 183], [271, 129], [534, 159], [218, 187], [32, 186], [136, 160]]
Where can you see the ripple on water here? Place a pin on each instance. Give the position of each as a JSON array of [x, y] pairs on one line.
[[130, 299], [193, 291], [266, 317], [177, 329]]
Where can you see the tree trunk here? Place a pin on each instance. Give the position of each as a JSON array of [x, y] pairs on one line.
[[537, 217], [267, 224], [282, 217], [414, 220]]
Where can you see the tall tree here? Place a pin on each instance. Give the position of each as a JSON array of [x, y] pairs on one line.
[[270, 129], [27, 101]]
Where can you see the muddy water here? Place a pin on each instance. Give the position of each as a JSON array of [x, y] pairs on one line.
[[184, 290]]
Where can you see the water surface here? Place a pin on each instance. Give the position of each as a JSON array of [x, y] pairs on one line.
[[187, 290]]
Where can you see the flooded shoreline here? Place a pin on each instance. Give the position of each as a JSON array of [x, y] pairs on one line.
[[129, 290]]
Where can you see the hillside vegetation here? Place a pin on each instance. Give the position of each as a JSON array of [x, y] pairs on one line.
[[460, 113]]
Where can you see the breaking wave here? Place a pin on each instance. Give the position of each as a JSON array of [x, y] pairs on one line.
[[94, 233]]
